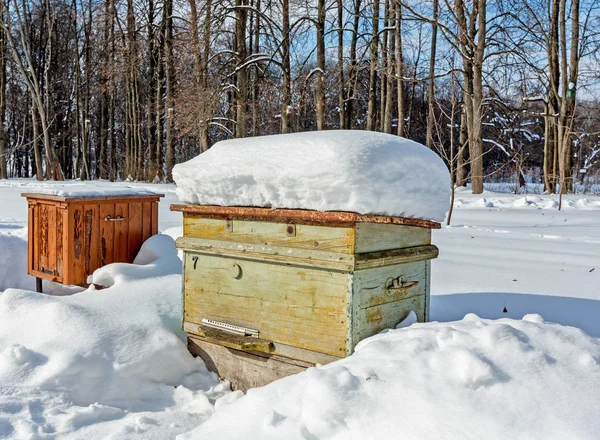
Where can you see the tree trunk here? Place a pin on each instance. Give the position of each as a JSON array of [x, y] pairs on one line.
[[39, 168], [241, 106], [400, 69], [373, 64], [431, 83], [463, 145], [170, 84], [353, 72], [286, 101], [204, 140], [340, 65], [3, 169], [151, 103], [320, 74]]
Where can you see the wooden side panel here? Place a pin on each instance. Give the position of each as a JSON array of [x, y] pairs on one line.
[[333, 239], [31, 266], [59, 242], [146, 220], [373, 237], [36, 241], [302, 307], [67, 239], [384, 296], [374, 319], [43, 237], [154, 225], [135, 230], [244, 370], [77, 245], [51, 209], [121, 234], [107, 231], [91, 239]]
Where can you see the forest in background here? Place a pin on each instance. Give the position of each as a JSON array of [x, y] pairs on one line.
[[124, 89]]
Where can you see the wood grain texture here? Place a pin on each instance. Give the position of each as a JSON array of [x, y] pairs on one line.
[[154, 218], [319, 238], [298, 216], [267, 253], [378, 305], [77, 246], [244, 370], [59, 244], [373, 237], [372, 320], [395, 256], [43, 238], [146, 220], [135, 230], [68, 237], [30, 239], [121, 234], [51, 250], [107, 232], [315, 289], [297, 306]]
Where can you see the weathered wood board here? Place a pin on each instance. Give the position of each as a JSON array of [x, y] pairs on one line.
[[71, 237], [308, 286], [244, 370]]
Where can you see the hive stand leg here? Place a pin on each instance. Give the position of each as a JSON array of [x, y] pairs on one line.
[[38, 285]]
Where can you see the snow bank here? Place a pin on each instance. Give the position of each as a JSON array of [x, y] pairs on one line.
[[109, 351], [468, 379], [13, 260], [350, 170]]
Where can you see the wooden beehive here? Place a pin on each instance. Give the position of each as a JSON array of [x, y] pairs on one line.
[[70, 237], [312, 284]]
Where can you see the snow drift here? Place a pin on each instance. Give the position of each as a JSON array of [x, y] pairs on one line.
[[120, 346], [350, 170], [471, 379], [13, 260]]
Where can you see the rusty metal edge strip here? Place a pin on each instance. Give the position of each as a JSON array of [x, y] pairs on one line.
[[298, 216]]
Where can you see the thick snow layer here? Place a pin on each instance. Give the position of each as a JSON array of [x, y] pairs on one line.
[[358, 171], [83, 190], [13, 260], [98, 364], [77, 188], [473, 378], [98, 355]]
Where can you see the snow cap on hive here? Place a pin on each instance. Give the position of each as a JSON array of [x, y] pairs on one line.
[[349, 170]]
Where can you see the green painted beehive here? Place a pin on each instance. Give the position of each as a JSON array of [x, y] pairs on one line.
[[269, 292]]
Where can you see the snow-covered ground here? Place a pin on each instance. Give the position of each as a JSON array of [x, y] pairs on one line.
[[113, 364]]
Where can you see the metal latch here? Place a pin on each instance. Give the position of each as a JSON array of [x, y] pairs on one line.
[[397, 284], [118, 218], [230, 328]]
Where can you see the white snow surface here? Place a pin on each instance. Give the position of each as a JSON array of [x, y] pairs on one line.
[[80, 189], [472, 379], [336, 170], [112, 363]]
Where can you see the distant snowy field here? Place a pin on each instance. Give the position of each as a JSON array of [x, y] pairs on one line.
[[112, 363]]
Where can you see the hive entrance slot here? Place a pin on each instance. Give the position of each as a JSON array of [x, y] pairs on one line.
[[242, 331]]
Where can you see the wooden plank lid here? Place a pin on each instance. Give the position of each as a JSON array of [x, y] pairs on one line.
[[298, 216]]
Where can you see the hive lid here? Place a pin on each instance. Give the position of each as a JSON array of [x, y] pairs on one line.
[[71, 192], [301, 216], [339, 170]]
